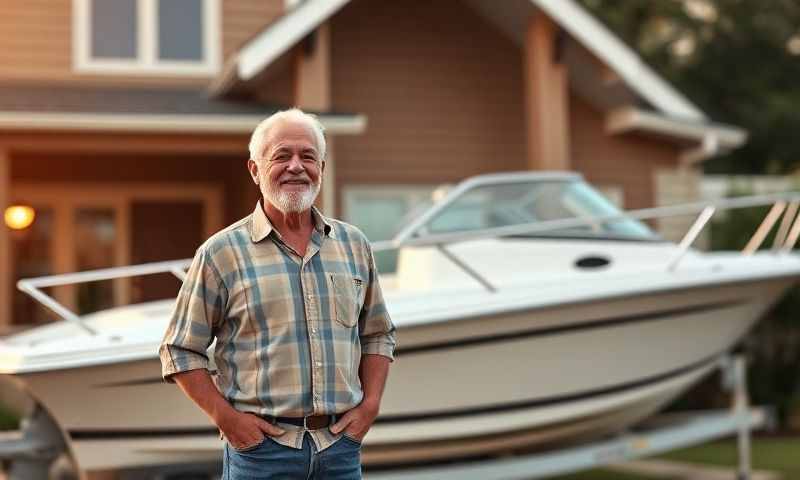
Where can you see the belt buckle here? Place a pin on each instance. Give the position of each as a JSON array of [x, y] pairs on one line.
[[330, 419]]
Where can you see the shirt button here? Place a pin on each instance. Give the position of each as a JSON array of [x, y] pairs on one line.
[[319, 364]]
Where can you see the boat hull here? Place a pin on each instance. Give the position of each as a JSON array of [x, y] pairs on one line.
[[515, 380]]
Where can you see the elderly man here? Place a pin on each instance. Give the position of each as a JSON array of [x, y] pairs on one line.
[[303, 339]]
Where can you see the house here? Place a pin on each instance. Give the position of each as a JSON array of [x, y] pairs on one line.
[[124, 123]]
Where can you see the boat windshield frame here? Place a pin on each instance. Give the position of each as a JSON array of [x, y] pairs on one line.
[[420, 226]]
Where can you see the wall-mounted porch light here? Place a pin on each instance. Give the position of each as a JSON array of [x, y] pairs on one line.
[[19, 217]]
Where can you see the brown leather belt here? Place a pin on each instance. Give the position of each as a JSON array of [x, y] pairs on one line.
[[309, 423]]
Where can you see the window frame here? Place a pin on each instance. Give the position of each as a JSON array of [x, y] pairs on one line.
[[147, 61], [354, 194], [357, 193]]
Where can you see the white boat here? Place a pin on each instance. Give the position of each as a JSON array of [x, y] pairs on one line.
[[530, 311]]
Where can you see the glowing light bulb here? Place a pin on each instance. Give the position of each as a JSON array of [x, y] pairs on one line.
[[19, 217]]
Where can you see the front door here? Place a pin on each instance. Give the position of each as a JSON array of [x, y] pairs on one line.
[[163, 231], [79, 228]]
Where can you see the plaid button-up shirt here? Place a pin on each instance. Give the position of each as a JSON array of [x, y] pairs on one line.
[[289, 331]]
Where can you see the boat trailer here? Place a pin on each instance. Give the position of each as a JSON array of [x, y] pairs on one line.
[[685, 431], [31, 451]]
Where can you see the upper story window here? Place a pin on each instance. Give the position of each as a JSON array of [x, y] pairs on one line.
[[147, 36]]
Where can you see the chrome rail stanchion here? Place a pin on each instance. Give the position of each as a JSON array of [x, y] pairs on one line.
[[766, 225], [691, 236], [469, 271], [791, 238], [33, 286], [783, 230], [51, 304]]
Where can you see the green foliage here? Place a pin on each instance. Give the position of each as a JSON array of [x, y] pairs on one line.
[[738, 60], [773, 348], [775, 454], [606, 475], [8, 420]]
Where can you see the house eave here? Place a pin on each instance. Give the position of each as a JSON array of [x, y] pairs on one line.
[[158, 123], [628, 120], [622, 59], [285, 32]]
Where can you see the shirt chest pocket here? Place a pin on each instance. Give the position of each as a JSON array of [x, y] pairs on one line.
[[347, 292]]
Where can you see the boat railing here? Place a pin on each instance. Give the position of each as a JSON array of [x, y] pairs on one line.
[[34, 286], [785, 239], [784, 205]]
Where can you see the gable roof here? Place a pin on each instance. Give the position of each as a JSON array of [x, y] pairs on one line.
[[598, 39], [283, 34]]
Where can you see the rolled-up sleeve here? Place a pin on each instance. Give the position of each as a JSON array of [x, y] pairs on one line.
[[198, 310], [376, 330]]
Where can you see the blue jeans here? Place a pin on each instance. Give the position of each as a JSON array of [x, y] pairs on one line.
[[271, 460]]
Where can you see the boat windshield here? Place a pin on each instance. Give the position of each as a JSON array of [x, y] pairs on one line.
[[526, 202]]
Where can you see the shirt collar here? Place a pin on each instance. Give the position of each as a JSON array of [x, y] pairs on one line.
[[260, 226]]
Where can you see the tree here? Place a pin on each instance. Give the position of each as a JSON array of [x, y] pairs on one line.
[[738, 60]]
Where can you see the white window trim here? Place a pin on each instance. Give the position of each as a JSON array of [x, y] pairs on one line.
[[354, 194], [147, 62]]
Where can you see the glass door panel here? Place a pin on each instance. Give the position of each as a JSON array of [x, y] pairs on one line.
[[31, 253], [95, 235]]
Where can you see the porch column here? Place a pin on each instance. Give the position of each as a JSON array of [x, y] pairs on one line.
[[546, 97], [6, 280], [312, 92]]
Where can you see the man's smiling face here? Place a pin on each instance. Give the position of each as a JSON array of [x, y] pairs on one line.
[[289, 174]]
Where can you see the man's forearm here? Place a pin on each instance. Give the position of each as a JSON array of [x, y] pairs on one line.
[[199, 387], [373, 372]]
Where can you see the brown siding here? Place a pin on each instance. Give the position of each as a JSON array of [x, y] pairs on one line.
[[277, 89], [36, 41], [441, 88], [627, 161]]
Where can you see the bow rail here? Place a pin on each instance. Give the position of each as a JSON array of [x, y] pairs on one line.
[[415, 236]]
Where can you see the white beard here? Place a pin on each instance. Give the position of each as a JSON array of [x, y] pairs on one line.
[[292, 202]]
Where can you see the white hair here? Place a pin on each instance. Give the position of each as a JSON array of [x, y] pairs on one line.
[[256, 146]]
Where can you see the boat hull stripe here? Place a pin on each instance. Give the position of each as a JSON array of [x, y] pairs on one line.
[[579, 326]]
